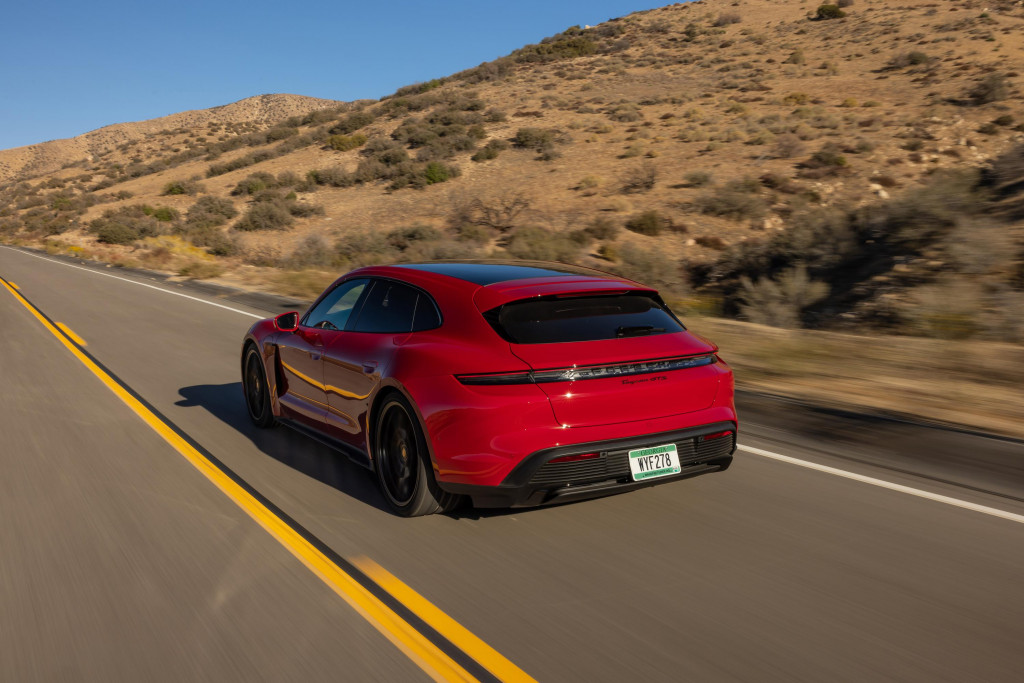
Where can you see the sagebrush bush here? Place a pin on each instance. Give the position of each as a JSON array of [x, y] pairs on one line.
[[992, 88], [640, 178], [265, 216], [536, 243], [540, 140], [647, 223], [736, 199], [602, 228], [190, 186], [403, 238], [727, 18], [829, 12], [697, 178], [650, 267], [312, 252], [352, 123], [345, 143], [490, 150], [782, 301]]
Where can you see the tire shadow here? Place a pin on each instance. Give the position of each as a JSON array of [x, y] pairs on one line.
[[227, 404]]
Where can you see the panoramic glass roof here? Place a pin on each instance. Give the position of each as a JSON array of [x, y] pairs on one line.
[[491, 272]]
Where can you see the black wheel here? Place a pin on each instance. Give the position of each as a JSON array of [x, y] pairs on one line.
[[403, 465], [256, 389]]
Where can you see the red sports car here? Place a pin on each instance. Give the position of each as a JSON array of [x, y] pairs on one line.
[[515, 384]]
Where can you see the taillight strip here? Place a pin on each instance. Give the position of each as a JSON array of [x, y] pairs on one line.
[[575, 373]]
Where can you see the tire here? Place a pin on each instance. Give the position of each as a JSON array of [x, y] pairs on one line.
[[256, 389], [402, 463]]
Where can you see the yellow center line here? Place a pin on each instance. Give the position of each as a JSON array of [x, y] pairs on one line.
[[74, 337], [483, 653], [432, 660], [14, 285]]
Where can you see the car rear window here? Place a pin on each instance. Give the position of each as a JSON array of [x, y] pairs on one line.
[[552, 320]]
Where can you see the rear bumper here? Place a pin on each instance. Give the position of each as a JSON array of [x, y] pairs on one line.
[[536, 481]]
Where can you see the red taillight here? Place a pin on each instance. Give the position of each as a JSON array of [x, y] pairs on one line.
[[575, 458], [716, 435]]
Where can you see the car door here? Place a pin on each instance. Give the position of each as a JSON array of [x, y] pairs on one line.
[[356, 359], [304, 397]]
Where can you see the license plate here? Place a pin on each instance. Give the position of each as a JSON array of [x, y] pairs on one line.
[[656, 461]]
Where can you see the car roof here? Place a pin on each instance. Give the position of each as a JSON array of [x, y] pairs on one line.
[[487, 273]]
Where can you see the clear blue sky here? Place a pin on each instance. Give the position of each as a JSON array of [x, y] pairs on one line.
[[70, 67]]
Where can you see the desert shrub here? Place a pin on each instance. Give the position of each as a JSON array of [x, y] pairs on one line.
[[499, 211], [626, 112], [336, 176], [280, 133], [436, 172], [697, 178], [364, 248], [533, 242], [736, 199], [129, 223], [387, 152], [844, 3], [992, 88], [711, 242], [906, 59], [265, 216], [827, 161], [344, 143], [490, 150], [560, 48], [190, 186], [200, 270], [788, 146], [164, 214], [403, 238], [650, 267], [727, 18], [782, 301], [116, 233], [312, 252], [796, 57], [829, 12], [647, 223], [352, 123], [640, 178], [302, 209], [210, 238], [602, 228], [540, 140]]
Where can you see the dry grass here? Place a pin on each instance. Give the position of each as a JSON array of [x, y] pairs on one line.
[[971, 383]]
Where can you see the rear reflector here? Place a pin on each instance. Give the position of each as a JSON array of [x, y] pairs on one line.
[[716, 435], [574, 374], [575, 458]]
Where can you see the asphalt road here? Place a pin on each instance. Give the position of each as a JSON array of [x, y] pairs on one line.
[[120, 561]]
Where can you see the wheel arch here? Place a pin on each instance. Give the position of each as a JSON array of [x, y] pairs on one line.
[[390, 389], [268, 354]]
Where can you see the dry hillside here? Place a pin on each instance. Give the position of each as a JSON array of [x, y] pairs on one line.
[[252, 113], [760, 158]]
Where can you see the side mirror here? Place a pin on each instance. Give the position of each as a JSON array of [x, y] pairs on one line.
[[287, 322]]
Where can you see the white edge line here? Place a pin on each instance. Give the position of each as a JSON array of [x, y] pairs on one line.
[[956, 502], [136, 282]]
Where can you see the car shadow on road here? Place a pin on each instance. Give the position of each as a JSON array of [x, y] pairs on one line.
[[226, 403]]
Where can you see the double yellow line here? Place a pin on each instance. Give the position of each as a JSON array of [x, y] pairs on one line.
[[439, 645]]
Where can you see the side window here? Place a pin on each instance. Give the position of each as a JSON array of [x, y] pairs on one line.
[[427, 317], [389, 308], [333, 311]]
